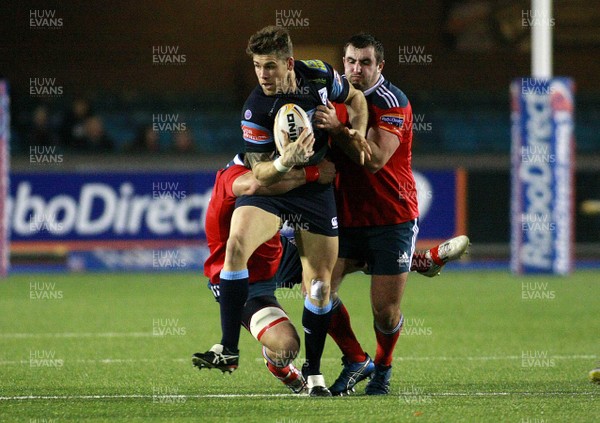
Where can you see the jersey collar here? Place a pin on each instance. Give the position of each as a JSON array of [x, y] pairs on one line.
[[374, 87]]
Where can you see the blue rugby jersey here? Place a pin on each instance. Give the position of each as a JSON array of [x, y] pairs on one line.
[[317, 82]]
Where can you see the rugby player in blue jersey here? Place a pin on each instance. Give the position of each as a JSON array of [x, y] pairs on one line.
[[311, 206]]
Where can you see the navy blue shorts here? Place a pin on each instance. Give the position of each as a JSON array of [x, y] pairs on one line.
[[289, 273], [387, 250], [310, 207]]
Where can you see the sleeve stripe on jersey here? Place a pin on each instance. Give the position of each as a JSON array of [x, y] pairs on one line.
[[256, 134], [337, 86], [388, 96]]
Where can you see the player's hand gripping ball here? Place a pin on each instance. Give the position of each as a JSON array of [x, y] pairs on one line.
[[292, 119]]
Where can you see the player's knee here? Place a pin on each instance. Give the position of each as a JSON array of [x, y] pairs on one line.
[[319, 290], [236, 250], [387, 317]]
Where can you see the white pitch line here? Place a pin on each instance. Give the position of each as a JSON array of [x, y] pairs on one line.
[[183, 360], [184, 397], [496, 357], [100, 361], [80, 335]]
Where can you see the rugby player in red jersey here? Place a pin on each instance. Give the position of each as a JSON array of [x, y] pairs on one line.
[[377, 213]]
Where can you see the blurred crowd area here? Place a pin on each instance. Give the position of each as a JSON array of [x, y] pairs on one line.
[[443, 123], [104, 92], [88, 125]]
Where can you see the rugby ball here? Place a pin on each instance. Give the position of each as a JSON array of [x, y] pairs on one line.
[[292, 119]]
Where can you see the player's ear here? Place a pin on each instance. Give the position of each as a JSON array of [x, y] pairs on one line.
[[290, 63], [380, 66]]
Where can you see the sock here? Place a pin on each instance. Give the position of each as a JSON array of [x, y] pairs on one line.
[[386, 342], [233, 289], [286, 374], [342, 333], [435, 257], [315, 321]]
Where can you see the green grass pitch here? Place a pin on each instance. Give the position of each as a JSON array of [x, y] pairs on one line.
[[477, 346]]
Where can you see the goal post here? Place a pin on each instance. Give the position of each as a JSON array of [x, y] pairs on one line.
[[542, 158]]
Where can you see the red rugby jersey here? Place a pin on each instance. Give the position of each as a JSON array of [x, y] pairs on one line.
[[263, 264], [388, 196]]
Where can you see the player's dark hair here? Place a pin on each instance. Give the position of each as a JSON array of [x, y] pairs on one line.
[[364, 40], [271, 40]]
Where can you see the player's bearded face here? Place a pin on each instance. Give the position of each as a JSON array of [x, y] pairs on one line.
[[360, 67], [274, 74]]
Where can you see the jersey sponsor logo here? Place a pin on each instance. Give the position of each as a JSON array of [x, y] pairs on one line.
[[247, 114], [315, 64], [256, 135], [395, 120], [323, 95], [322, 81]]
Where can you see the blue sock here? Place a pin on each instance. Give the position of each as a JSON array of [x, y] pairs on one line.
[[316, 323], [233, 289]]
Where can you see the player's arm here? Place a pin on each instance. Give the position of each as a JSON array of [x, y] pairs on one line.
[[247, 184], [381, 143], [358, 112], [268, 171]]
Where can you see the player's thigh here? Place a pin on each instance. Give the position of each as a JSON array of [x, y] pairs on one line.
[[386, 296], [318, 254], [251, 227]]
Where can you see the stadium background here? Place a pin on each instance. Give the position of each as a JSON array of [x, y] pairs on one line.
[[479, 343], [454, 60]]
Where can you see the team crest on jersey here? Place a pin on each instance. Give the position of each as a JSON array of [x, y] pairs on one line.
[[323, 95], [394, 120], [315, 64], [247, 114]]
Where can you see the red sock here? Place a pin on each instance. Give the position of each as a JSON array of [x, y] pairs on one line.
[[343, 335], [435, 256], [386, 342], [285, 374]]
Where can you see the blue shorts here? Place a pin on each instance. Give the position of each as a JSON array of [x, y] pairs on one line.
[[387, 250], [289, 273], [310, 207]]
